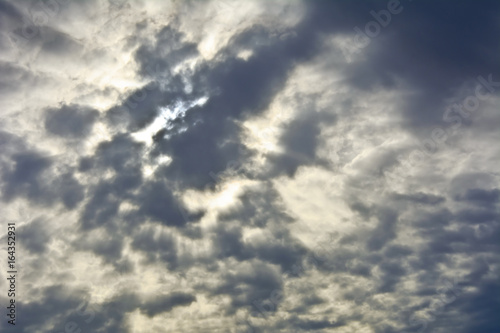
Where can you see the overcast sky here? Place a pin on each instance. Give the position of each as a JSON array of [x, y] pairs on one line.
[[251, 166]]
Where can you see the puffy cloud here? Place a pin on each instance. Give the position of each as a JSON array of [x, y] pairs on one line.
[[265, 167]]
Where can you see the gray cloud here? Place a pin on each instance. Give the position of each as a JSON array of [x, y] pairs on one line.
[[180, 198], [71, 121], [167, 302]]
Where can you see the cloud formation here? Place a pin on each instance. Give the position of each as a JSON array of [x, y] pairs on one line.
[[262, 166]]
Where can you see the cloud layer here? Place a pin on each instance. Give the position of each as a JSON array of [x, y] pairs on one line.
[[263, 166]]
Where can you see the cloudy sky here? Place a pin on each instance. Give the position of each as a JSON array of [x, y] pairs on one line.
[[251, 166]]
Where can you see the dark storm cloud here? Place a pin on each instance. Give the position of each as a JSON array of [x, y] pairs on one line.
[[480, 197], [28, 178], [308, 302], [107, 317], [10, 144], [228, 241], [112, 313], [397, 251], [55, 303], [60, 309], [200, 152], [165, 89], [24, 178], [416, 50], [468, 312], [13, 78], [257, 283], [283, 251], [141, 107], [391, 275], [155, 247], [385, 230], [58, 43], [441, 244], [158, 203], [35, 236], [314, 325], [122, 155], [166, 303], [101, 207], [211, 139], [299, 141], [10, 20], [430, 221], [69, 189], [171, 45], [236, 88], [31, 33], [8, 11], [481, 307], [154, 199], [423, 52], [421, 198], [241, 85], [258, 208], [478, 215], [108, 247], [359, 207], [439, 249], [428, 50], [71, 121], [32, 175], [288, 254]]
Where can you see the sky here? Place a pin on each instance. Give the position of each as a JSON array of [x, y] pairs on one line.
[[250, 166]]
